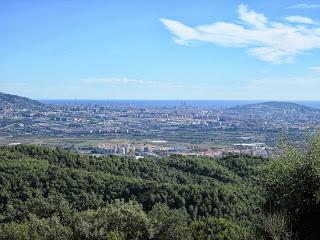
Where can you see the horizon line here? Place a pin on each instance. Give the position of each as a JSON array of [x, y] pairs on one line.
[[105, 99]]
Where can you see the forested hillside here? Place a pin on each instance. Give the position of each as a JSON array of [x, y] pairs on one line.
[[55, 188], [54, 194]]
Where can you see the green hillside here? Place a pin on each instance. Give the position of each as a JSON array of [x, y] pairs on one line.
[[54, 194], [44, 183]]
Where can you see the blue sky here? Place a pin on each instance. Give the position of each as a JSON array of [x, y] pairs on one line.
[[169, 49]]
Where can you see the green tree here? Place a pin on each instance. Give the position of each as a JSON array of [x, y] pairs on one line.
[[169, 224], [119, 217], [36, 229], [291, 183], [216, 229]]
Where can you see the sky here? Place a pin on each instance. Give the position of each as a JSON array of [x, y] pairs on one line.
[[169, 49]]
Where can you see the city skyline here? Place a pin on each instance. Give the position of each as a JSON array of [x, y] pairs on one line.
[[160, 50]]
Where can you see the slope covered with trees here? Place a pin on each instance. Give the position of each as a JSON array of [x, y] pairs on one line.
[[87, 197], [54, 194]]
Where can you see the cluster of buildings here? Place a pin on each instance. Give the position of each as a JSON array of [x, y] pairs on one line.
[[121, 149], [153, 148], [163, 149]]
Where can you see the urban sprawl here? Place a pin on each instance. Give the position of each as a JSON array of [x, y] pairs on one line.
[[138, 131]]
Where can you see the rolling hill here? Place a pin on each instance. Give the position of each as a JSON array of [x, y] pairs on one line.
[[17, 101], [276, 106]]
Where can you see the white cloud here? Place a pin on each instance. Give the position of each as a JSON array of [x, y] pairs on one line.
[[266, 40], [117, 80], [251, 18], [304, 6], [300, 19]]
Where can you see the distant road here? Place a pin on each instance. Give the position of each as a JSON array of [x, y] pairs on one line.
[[11, 125]]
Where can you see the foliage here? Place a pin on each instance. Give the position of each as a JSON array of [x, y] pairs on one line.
[[216, 229], [128, 218], [276, 226], [291, 183], [87, 197], [169, 223], [36, 228]]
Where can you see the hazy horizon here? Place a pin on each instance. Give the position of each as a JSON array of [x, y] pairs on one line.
[[204, 49], [171, 103], [153, 99]]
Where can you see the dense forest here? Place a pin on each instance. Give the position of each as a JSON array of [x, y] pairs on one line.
[[56, 194]]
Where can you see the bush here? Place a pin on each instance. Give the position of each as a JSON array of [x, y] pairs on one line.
[[291, 183]]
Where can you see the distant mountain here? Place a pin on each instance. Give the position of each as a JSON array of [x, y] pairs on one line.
[[17, 101], [276, 106]]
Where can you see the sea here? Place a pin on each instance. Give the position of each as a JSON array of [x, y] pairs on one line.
[[172, 103]]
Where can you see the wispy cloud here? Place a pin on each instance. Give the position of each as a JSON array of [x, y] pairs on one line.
[[122, 81], [315, 69], [300, 19], [304, 6], [268, 41], [252, 18], [118, 80]]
